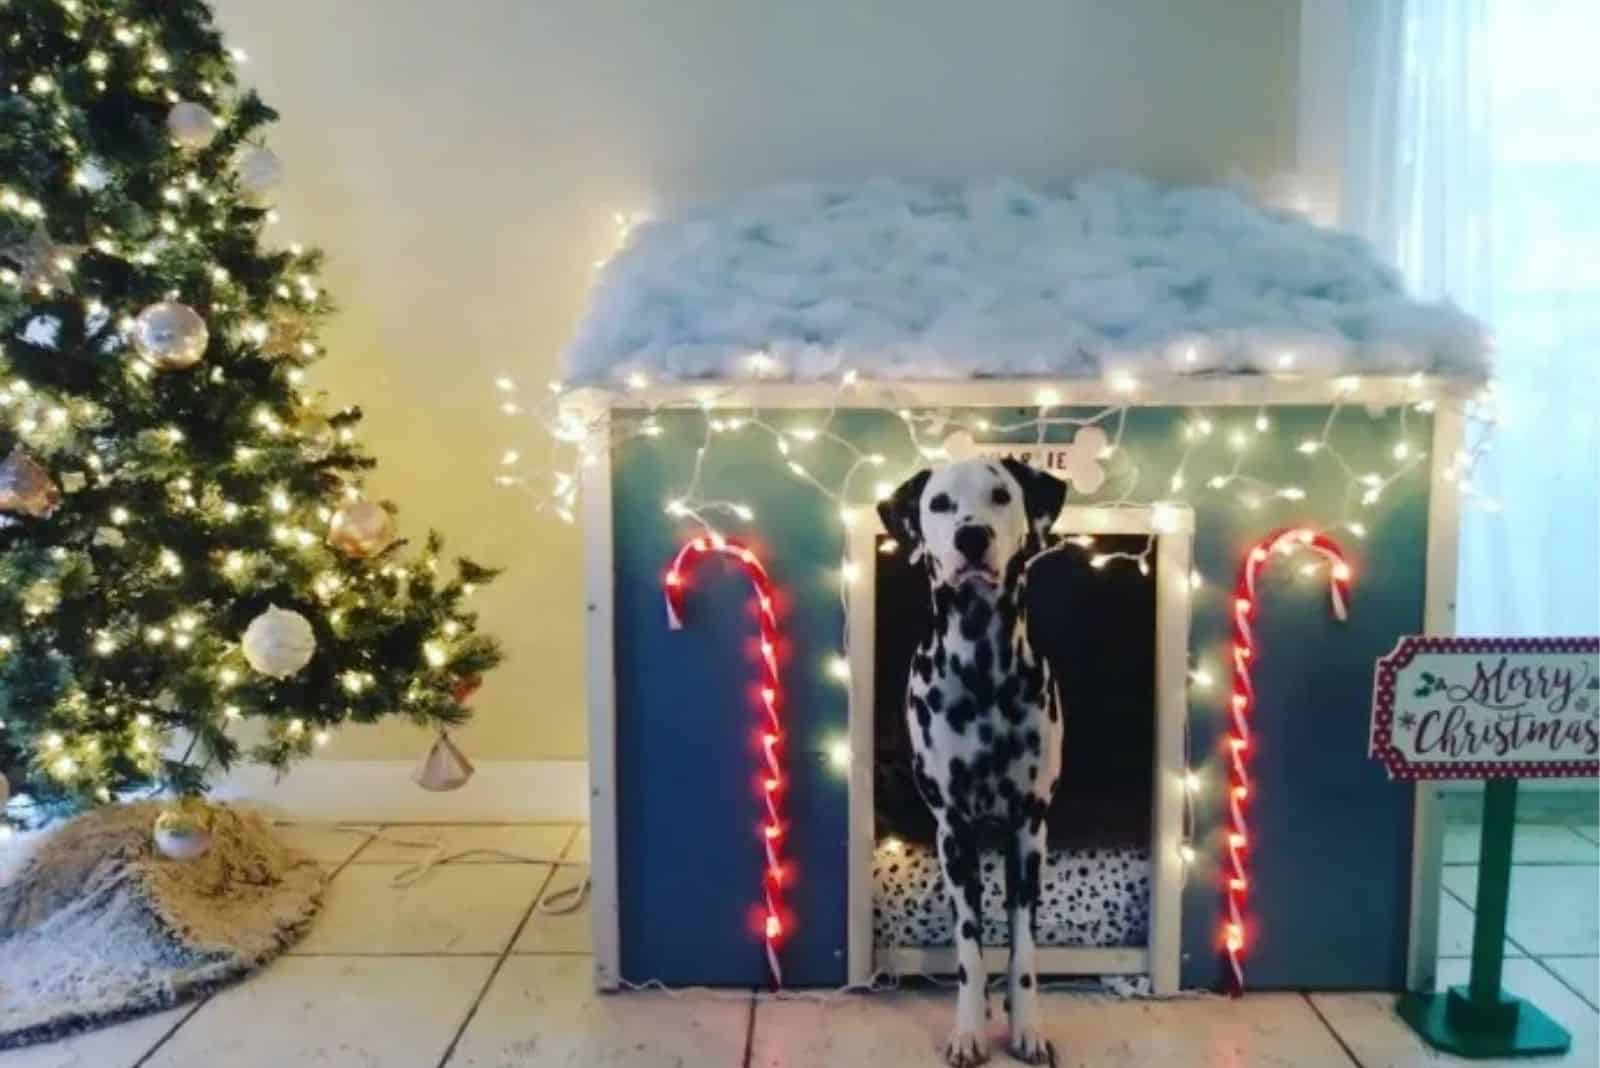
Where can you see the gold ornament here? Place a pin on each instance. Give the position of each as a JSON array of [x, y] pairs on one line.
[[183, 832], [191, 125], [286, 335], [170, 335], [444, 768], [26, 487], [360, 528], [278, 642]]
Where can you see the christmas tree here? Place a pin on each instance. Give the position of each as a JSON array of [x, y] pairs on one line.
[[189, 571]]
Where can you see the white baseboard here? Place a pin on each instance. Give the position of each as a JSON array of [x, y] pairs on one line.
[[376, 791]]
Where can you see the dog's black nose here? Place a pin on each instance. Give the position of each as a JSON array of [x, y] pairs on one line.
[[972, 542]]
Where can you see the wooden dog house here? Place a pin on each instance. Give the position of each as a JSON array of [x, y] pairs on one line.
[[1253, 419]]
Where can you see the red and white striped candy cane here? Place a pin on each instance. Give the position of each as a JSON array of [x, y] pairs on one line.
[[771, 697], [1242, 707]]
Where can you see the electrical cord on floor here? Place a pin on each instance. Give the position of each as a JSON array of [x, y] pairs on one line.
[[562, 902], [570, 899]]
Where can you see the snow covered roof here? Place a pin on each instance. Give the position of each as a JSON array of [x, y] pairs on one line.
[[996, 279]]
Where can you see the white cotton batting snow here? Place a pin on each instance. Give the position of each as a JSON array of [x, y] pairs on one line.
[[997, 279]]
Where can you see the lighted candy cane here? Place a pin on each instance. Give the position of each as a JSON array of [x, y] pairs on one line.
[[771, 695], [1243, 706]]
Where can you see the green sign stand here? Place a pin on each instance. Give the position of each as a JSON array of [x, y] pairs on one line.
[[1480, 1019]]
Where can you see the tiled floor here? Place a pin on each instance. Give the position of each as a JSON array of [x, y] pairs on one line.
[[461, 969]]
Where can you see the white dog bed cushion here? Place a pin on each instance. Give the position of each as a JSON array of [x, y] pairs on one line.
[[95, 926], [1087, 897]]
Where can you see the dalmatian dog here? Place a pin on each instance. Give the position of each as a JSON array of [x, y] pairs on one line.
[[984, 715]]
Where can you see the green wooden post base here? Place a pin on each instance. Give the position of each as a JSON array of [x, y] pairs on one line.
[[1481, 1019]]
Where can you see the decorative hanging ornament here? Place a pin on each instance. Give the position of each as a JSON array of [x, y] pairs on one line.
[[316, 434], [260, 171], [444, 768], [278, 642], [360, 528], [26, 487], [465, 688], [191, 125], [183, 832], [171, 335], [289, 334]]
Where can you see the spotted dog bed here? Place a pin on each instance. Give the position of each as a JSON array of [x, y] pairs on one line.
[[1088, 898]]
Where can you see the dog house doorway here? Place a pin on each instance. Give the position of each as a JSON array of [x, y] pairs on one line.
[[1111, 900]]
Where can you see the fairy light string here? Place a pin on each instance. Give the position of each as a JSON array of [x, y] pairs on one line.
[[1241, 710], [1224, 451], [770, 691]]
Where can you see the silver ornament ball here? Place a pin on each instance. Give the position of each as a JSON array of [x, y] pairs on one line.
[[171, 335], [260, 171], [182, 834], [191, 125], [278, 642]]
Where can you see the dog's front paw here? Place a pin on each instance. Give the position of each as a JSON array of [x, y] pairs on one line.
[[965, 1049], [1030, 1047]]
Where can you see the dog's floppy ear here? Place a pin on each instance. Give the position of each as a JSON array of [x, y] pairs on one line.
[[1043, 494], [901, 511]]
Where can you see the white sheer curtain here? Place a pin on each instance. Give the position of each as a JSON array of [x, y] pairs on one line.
[[1473, 163]]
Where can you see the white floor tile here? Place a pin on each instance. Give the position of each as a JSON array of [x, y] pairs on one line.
[[906, 1028], [459, 908], [1580, 973], [1455, 930], [566, 932], [347, 1012], [1554, 910], [327, 843], [483, 843], [579, 850], [117, 1046], [542, 1012], [1368, 1024], [876, 1029], [1529, 845]]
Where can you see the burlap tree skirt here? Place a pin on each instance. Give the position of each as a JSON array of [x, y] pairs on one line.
[[97, 926]]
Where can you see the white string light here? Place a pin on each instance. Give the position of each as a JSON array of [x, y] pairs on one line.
[[580, 439]]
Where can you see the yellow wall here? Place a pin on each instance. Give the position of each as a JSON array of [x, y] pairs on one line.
[[460, 162]]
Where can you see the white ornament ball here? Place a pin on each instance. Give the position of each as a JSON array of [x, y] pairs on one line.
[[260, 171], [182, 835], [170, 335], [278, 642], [191, 125], [361, 528]]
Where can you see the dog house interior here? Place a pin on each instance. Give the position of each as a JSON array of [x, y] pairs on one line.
[[1096, 628], [1251, 418]]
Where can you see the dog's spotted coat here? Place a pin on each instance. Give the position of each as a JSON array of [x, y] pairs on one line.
[[984, 715]]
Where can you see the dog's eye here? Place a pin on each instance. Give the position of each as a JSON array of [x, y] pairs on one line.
[[1001, 495], [941, 503]]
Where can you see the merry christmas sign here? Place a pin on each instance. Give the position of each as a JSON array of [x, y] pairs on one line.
[[1488, 708]]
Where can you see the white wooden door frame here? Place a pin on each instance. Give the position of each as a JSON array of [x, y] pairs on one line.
[[1160, 958]]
